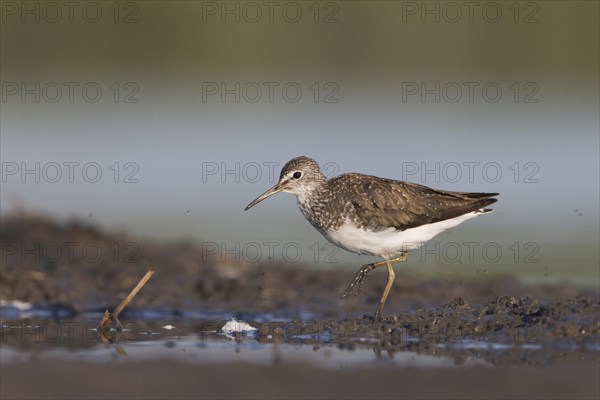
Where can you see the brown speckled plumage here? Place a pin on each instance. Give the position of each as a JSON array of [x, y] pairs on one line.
[[376, 203]]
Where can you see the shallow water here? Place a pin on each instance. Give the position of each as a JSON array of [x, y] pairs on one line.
[[543, 348], [322, 343], [216, 349]]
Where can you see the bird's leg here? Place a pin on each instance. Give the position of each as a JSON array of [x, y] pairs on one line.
[[390, 282], [358, 280], [364, 271]]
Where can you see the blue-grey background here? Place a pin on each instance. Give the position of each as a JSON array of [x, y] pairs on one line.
[[364, 56]]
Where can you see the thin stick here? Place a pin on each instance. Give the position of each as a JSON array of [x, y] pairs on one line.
[[132, 294], [108, 318]]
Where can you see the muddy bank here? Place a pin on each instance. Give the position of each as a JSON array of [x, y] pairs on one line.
[[77, 266], [500, 310], [480, 338], [505, 332]]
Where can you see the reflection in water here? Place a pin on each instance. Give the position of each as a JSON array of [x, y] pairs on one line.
[[202, 342]]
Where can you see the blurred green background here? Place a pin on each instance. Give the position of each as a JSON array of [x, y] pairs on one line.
[[384, 89]]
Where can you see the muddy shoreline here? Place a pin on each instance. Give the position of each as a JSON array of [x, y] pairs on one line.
[[43, 263], [186, 282], [529, 341]]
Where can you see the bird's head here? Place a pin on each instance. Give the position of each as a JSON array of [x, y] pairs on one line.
[[299, 176]]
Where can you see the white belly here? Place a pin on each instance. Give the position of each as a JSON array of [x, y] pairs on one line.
[[390, 242]]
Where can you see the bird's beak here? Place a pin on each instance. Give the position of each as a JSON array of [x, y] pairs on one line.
[[275, 189]]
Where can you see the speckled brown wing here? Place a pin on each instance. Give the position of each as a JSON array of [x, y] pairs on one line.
[[386, 203]]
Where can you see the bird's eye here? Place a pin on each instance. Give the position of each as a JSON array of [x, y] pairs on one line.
[[297, 175]]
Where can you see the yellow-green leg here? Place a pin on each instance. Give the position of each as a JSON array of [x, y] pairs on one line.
[[388, 286], [364, 271]]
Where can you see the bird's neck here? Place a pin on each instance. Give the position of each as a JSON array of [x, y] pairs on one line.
[[312, 200], [313, 194]]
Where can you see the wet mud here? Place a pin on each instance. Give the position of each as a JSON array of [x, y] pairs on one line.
[[57, 265], [500, 322]]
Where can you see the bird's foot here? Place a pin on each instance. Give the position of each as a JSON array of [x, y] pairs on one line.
[[377, 317], [355, 285]]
